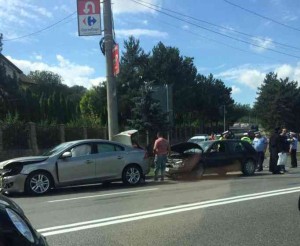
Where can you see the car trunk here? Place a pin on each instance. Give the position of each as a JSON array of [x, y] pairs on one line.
[[127, 137]]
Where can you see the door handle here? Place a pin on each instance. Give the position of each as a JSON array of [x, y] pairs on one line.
[[120, 157], [89, 162]]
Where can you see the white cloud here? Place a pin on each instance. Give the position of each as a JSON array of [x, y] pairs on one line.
[[260, 44], [290, 17], [253, 76], [235, 89], [64, 8], [72, 73], [127, 6], [141, 32], [284, 71], [248, 76], [17, 16], [97, 81], [185, 27], [39, 57]]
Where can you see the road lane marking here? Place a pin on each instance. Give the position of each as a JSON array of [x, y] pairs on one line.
[[160, 212], [107, 194]]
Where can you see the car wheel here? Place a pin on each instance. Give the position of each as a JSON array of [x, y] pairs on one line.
[[38, 183], [248, 167], [198, 171], [132, 175]]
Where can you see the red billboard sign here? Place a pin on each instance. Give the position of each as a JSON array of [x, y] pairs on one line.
[[115, 55]]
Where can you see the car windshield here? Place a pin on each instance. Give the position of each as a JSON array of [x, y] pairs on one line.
[[57, 149], [205, 145]]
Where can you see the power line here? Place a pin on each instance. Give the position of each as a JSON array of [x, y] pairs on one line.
[[262, 16], [221, 34], [214, 40], [41, 30], [219, 26]]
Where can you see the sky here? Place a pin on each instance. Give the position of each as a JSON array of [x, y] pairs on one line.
[[225, 39]]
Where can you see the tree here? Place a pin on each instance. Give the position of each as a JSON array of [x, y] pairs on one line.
[[133, 71], [93, 103], [147, 114], [277, 102]]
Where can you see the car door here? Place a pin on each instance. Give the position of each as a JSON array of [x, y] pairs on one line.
[[110, 160], [216, 155], [79, 167], [236, 152]]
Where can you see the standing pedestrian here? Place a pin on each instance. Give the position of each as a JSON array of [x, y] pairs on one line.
[[212, 136], [284, 147], [293, 149], [161, 150], [274, 150], [260, 144]]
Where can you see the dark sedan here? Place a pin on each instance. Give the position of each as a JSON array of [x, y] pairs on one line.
[[193, 160], [15, 228]]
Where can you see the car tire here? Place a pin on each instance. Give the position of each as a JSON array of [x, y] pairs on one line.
[[249, 167], [198, 171], [38, 183], [132, 175]]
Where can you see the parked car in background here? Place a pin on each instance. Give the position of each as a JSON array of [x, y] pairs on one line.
[[74, 163], [221, 156], [15, 228], [199, 138]]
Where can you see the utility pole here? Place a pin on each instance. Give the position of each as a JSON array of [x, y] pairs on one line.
[[112, 107]]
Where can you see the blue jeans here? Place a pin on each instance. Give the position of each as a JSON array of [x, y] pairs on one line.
[[160, 164]]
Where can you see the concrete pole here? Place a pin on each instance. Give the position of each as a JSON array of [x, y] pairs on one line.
[[112, 106]]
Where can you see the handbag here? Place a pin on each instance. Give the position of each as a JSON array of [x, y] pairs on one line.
[[282, 159]]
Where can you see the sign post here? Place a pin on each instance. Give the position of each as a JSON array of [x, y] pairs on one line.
[[89, 19]]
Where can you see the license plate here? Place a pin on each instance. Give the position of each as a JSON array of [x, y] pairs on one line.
[[167, 169]]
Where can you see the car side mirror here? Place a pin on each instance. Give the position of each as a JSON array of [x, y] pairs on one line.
[[65, 155]]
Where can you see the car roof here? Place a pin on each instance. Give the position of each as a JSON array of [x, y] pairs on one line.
[[92, 140]]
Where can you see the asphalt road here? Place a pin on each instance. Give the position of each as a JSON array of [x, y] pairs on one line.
[[230, 210]]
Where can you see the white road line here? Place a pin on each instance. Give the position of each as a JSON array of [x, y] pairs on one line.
[[160, 212], [107, 194]]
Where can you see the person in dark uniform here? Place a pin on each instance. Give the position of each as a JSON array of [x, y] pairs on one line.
[[274, 146], [284, 147], [293, 149]]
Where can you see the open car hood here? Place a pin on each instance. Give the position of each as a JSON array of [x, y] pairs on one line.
[[182, 147]]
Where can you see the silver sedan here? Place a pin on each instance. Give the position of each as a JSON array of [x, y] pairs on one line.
[[74, 163]]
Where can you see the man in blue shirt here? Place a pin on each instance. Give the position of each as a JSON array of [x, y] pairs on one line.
[[293, 149], [260, 144]]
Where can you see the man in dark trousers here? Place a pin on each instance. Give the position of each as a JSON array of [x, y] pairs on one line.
[[293, 150], [274, 146]]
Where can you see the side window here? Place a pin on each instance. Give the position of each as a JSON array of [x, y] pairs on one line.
[[104, 148], [81, 150], [218, 147], [236, 147]]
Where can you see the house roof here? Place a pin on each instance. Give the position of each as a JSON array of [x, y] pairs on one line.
[[23, 78]]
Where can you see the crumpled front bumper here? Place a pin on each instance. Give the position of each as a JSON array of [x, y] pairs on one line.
[[171, 170], [12, 184]]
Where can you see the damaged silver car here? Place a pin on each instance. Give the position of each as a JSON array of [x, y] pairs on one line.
[[74, 163]]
